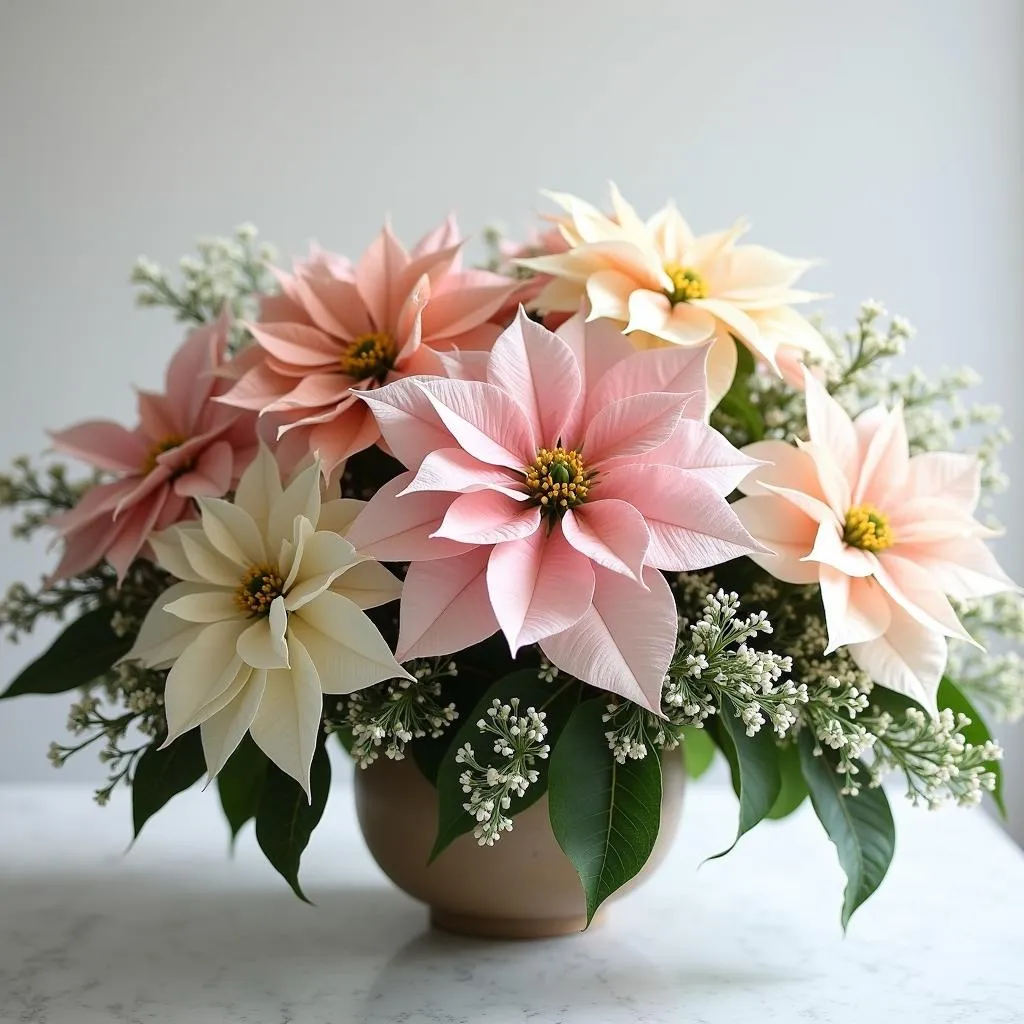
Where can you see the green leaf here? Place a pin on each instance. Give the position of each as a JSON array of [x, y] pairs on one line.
[[555, 699], [240, 784], [698, 751], [162, 774], [285, 819], [860, 826], [84, 651], [754, 761], [952, 697], [794, 789], [605, 815]]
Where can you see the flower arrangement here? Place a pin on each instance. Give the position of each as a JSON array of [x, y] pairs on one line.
[[531, 525]]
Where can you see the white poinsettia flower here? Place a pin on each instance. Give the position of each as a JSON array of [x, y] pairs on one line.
[[268, 617]]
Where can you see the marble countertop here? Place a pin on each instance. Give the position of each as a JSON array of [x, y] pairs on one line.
[[176, 931]]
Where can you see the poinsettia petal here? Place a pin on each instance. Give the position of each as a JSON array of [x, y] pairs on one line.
[[206, 605], [610, 532], [538, 586], [786, 531], [539, 372], [679, 371], [445, 606], [263, 644], [368, 584], [632, 426], [886, 463], [913, 589], [909, 659], [232, 532], [701, 451], [222, 732], [487, 517], [691, 525], [399, 529], [484, 420], [203, 671], [952, 477], [103, 444], [408, 421], [856, 610], [259, 487], [211, 475], [624, 643], [346, 647], [831, 550], [286, 726], [830, 426], [163, 636], [963, 569], [455, 470]]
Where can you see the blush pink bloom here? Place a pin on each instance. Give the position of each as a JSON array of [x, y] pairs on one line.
[[338, 329], [544, 499], [186, 446], [886, 535], [656, 278]]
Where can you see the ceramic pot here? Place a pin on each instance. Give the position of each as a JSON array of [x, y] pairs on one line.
[[523, 887]]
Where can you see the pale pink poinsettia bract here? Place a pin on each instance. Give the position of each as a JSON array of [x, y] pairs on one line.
[[886, 535], [545, 499], [186, 446]]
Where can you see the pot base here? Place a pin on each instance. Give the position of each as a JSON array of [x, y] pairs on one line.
[[489, 927]]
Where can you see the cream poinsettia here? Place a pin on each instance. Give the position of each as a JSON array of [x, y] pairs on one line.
[[268, 617], [659, 280]]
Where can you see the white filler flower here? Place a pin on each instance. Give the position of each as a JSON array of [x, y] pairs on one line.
[[268, 617]]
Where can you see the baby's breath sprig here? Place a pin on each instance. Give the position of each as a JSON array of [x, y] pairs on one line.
[[994, 680], [226, 272], [38, 494], [123, 710], [936, 762], [715, 670], [391, 715], [519, 742]]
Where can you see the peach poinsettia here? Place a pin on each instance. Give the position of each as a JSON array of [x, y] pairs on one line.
[[886, 536], [340, 328], [545, 500], [659, 279], [186, 446]]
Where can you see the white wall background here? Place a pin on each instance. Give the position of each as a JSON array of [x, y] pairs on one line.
[[884, 136]]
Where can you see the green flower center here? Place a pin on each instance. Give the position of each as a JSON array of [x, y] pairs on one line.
[[370, 356], [257, 590], [867, 529], [687, 284], [558, 480]]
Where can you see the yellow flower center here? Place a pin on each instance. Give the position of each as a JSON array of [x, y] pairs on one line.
[[370, 356], [168, 444], [867, 529], [558, 480], [687, 284], [257, 590]]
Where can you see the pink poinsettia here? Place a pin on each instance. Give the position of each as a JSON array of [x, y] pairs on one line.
[[544, 499], [338, 329], [886, 535], [185, 446], [659, 280]]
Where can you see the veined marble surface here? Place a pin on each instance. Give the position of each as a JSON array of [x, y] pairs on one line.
[[176, 931]]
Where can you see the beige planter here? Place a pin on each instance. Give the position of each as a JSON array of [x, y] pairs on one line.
[[523, 887]]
